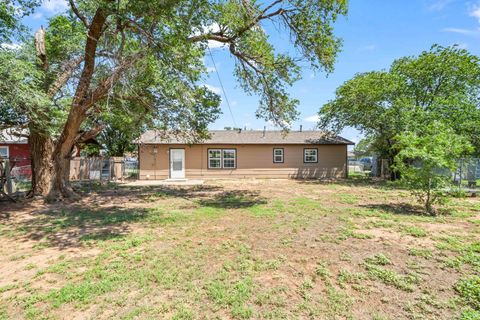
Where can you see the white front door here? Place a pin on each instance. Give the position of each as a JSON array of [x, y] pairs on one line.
[[177, 163]]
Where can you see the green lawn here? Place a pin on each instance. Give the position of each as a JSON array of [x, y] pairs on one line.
[[245, 249]]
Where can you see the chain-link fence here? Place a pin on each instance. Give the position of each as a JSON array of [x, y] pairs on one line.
[[16, 174], [467, 175], [361, 166]]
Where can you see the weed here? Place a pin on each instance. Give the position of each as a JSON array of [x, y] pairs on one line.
[[232, 294], [413, 231], [379, 260], [469, 291], [322, 270], [470, 314], [420, 252], [346, 276]]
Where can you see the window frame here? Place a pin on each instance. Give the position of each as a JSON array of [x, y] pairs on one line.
[[305, 155], [222, 158], [8, 151], [234, 159], [283, 155], [208, 158]]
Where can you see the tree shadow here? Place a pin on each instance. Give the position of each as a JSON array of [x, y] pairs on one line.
[[398, 208], [71, 227], [355, 181], [66, 225], [233, 200]]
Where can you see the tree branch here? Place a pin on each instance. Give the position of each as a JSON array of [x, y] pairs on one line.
[[102, 89], [64, 77], [94, 34], [78, 14], [92, 133], [220, 36]]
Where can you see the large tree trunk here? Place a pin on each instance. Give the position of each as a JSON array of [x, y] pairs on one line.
[[41, 151], [61, 157]]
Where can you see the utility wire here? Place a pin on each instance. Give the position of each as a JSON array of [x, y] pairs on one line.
[[221, 85]]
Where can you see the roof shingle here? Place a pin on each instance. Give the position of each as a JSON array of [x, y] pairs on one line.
[[250, 137]]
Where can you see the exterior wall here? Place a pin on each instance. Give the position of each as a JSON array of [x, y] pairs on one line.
[[18, 151], [252, 161]]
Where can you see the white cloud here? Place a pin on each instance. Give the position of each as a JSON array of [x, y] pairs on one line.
[[461, 45], [438, 5], [475, 12], [214, 89], [55, 6], [37, 16], [369, 47], [10, 46], [215, 44], [463, 31], [313, 119], [210, 69]]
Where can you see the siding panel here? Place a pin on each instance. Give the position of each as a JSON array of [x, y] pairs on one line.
[[252, 161]]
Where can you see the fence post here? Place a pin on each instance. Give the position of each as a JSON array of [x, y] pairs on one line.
[[460, 173], [8, 177]]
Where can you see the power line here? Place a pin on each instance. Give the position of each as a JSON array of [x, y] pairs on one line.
[[221, 85]]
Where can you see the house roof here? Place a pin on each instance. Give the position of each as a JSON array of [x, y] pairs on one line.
[[250, 137], [13, 136]]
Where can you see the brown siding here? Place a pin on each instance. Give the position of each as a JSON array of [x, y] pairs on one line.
[[252, 161]]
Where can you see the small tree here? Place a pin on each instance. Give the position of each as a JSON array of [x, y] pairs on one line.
[[427, 159]]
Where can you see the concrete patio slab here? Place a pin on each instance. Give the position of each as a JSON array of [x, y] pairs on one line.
[[168, 182]]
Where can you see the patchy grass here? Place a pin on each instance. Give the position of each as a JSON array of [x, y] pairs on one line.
[[241, 249]]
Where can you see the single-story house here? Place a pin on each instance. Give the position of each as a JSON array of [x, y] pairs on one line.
[[241, 154]]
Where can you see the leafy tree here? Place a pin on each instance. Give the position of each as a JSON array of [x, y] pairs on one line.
[[363, 148], [439, 84], [426, 161], [11, 13], [151, 53]]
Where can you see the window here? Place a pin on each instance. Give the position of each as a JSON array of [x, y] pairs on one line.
[[229, 159], [214, 158], [3, 152], [278, 155], [222, 158], [310, 155]]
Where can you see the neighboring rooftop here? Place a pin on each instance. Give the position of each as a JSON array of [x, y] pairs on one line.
[[250, 137], [13, 136]]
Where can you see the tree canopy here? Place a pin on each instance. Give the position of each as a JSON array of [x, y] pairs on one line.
[[441, 84]]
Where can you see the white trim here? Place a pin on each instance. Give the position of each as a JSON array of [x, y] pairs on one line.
[[214, 158], [311, 155], [278, 155], [234, 159], [8, 151], [222, 158], [177, 174]]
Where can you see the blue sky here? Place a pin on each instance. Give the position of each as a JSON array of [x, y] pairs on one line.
[[374, 33]]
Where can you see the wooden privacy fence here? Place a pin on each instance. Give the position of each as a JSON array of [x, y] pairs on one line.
[[103, 169]]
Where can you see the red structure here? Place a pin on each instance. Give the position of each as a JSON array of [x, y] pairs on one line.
[[18, 153]]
